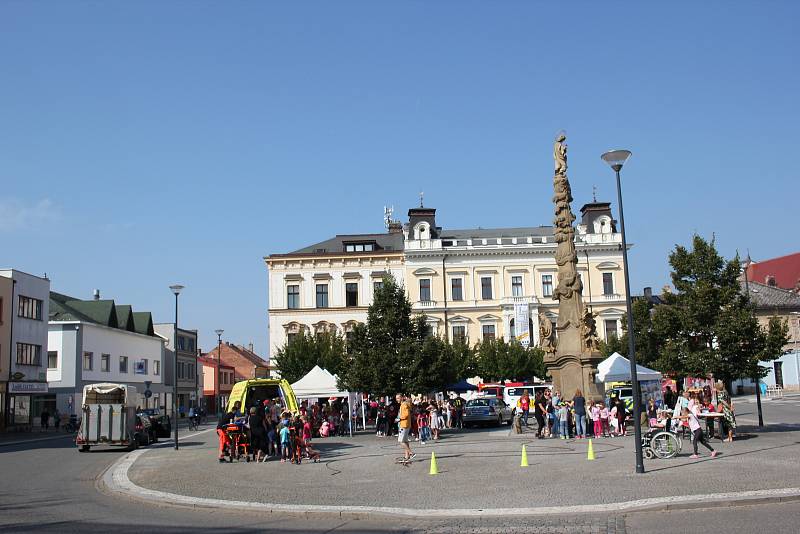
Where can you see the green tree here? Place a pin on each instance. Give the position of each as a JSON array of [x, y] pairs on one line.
[[707, 325], [381, 353], [498, 360], [298, 356]]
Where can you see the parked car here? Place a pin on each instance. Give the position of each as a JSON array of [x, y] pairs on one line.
[[144, 431], [162, 425], [487, 410]]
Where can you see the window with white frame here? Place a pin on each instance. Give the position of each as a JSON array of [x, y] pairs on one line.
[[459, 333], [547, 285], [88, 361], [377, 285], [322, 295], [486, 287], [293, 296], [487, 331], [351, 294], [608, 283], [30, 308], [425, 289], [457, 289], [611, 329], [156, 367], [52, 359], [516, 286]]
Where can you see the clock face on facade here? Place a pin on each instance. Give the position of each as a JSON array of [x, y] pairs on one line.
[[18, 376]]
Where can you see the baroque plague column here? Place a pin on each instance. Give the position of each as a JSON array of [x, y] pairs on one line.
[[573, 363]]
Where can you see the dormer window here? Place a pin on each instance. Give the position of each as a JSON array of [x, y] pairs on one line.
[[422, 231], [359, 247]]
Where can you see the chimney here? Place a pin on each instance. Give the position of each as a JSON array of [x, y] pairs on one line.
[[250, 346], [395, 227], [96, 294], [770, 280], [648, 293]]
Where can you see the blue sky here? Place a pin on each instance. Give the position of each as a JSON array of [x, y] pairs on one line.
[[148, 143]]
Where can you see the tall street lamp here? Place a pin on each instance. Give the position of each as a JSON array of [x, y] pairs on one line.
[[217, 399], [177, 290], [616, 159]]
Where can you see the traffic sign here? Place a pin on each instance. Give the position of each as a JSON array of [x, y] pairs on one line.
[[148, 394]]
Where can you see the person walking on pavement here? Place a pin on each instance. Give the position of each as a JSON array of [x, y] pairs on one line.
[[524, 404], [57, 420], [404, 424], [45, 420]]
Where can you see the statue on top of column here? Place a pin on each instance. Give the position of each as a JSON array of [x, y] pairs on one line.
[[560, 153]]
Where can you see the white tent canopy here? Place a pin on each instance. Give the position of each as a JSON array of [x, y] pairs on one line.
[[617, 368], [317, 383]]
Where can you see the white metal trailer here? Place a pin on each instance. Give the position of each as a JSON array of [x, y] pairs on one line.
[[108, 416]]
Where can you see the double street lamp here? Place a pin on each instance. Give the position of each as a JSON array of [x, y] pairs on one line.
[[217, 392], [616, 159], [176, 289]]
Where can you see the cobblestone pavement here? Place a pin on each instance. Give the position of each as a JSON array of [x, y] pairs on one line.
[[550, 525]]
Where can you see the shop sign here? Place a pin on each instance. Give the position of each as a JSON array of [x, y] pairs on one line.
[[27, 387]]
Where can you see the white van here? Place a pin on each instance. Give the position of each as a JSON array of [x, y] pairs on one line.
[[513, 393], [108, 416]]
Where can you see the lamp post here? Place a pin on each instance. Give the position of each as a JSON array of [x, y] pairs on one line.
[[755, 376], [177, 290], [616, 159], [217, 399]]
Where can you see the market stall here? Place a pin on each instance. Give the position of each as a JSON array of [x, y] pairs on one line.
[[320, 383]]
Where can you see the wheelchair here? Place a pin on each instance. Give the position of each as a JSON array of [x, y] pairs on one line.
[[660, 443]]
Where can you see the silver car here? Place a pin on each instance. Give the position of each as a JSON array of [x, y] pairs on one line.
[[487, 410]]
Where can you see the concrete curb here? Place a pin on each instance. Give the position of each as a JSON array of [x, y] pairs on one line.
[[116, 481]]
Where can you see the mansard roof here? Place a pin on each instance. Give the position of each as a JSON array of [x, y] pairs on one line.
[[336, 245]]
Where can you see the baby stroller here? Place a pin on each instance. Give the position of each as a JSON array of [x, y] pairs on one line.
[[238, 443]]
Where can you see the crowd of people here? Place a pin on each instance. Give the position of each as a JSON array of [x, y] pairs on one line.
[[576, 417], [426, 419]]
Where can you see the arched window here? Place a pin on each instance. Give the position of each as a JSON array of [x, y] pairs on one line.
[[422, 231]]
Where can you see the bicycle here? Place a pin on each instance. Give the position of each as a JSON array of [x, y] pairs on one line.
[[194, 423]]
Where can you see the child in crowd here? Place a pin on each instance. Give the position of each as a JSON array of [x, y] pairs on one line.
[[563, 420], [594, 413], [435, 423], [612, 415], [325, 429], [422, 424], [286, 441], [690, 416], [604, 415]]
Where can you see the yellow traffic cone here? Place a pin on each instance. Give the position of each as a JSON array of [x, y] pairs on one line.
[[590, 456], [434, 469], [524, 462]]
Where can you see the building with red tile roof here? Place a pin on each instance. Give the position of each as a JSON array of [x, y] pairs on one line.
[[782, 272]]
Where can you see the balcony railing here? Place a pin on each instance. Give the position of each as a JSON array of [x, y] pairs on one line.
[[426, 303], [523, 299], [610, 297]]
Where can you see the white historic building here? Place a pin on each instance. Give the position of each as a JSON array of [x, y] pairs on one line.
[[98, 341], [471, 283], [327, 287]]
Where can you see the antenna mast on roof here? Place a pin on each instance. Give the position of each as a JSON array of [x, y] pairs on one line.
[[388, 212], [421, 196], [594, 193]]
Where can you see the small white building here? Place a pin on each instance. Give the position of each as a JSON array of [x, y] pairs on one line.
[[97, 340]]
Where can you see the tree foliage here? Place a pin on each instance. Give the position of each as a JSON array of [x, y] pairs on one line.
[[498, 360], [381, 353], [298, 356], [707, 325]]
